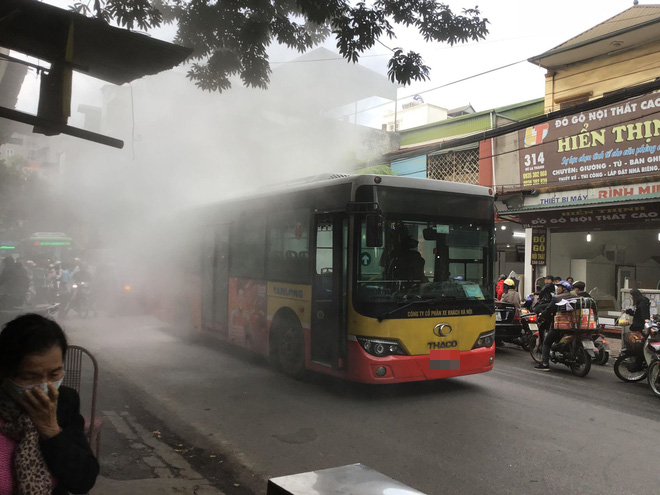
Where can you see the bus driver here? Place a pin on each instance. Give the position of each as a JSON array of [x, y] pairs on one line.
[[403, 261]]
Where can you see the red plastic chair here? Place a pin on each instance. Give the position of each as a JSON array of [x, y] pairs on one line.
[[73, 371]]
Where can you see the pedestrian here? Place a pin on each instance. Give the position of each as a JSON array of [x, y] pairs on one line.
[[43, 448], [642, 311], [14, 283]]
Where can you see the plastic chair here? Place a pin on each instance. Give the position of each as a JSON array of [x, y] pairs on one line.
[[73, 371]]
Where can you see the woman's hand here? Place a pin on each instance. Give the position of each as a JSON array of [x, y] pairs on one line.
[[42, 409]]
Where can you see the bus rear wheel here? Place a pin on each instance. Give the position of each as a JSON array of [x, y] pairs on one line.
[[291, 349]]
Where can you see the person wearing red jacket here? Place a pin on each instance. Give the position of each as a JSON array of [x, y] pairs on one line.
[[499, 287]]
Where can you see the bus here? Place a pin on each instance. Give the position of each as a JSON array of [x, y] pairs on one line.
[[373, 279], [43, 247]]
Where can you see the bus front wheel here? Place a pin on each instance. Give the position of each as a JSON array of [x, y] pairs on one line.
[[291, 349]]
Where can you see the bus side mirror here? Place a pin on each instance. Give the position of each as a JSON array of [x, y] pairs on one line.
[[374, 230], [430, 234]]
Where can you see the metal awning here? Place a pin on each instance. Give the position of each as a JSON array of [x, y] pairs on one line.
[[73, 42], [598, 212], [99, 50]]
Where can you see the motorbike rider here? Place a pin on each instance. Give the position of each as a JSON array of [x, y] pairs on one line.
[[510, 295], [564, 289], [642, 310], [80, 275], [578, 289]]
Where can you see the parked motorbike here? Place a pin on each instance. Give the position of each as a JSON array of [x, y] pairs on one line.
[[575, 349], [631, 365], [602, 352], [652, 352]]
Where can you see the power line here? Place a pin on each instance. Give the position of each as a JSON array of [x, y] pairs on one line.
[[440, 87]]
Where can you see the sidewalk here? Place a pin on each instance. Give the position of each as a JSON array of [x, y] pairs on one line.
[[139, 454], [169, 472]]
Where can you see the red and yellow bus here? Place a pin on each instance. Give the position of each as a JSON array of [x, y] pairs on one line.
[[375, 279]]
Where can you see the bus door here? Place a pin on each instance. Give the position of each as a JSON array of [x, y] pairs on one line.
[[329, 290], [215, 279]]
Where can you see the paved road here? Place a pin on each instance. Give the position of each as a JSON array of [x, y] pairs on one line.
[[513, 430]]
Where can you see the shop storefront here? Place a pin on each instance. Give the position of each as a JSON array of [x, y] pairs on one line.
[[608, 237], [589, 197]]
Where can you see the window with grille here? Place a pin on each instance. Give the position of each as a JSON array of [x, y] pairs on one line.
[[455, 166]]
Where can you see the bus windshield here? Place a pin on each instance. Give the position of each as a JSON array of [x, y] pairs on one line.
[[425, 260]]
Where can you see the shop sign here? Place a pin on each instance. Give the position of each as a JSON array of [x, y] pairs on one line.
[[616, 141], [539, 245], [632, 191], [645, 213]]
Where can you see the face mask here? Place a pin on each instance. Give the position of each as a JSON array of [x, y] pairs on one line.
[[16, 391]]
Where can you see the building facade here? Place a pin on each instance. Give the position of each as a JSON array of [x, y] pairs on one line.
[[585, 184]]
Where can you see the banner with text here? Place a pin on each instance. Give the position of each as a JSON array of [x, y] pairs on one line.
[[640, 215], [539, 246], [617, 141]]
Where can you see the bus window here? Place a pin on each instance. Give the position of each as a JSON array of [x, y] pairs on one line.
[[288, 246], [247, 246]]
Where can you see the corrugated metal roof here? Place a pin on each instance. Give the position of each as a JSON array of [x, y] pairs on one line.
[[468, 124]]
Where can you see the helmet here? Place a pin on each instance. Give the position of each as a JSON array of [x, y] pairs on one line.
[[566, 285], [509, 282]]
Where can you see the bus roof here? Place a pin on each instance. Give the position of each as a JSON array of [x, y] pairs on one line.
[[39, 236], [331, 179]]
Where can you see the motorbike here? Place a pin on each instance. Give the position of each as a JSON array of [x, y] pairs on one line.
[[652, 352], [79, 300], [52, 310], [529, 323], [602, 352], [575, 349], [509, 326], [58, 296], [535, 341], [632, 364]]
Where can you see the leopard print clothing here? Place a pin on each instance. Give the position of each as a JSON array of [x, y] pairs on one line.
[[31, 476]]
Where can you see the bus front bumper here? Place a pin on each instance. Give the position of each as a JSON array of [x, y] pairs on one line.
[[366, 368]]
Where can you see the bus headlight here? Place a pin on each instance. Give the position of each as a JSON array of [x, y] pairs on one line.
[[381, 347], [486, 339]]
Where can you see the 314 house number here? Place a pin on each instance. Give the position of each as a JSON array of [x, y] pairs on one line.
[[534, 159]]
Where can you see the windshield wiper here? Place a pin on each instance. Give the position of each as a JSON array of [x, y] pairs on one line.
[[480, 301], [416, 301]]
